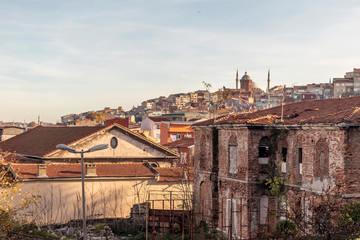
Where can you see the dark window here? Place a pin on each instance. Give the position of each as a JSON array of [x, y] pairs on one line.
[[300, 162], [283, 154], [264, 147], [263, 151]]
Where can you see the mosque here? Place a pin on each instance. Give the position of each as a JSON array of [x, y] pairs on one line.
[[247, 85]]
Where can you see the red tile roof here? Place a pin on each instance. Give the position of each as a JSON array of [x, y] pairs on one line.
[[42, 140], [175, 173], [59, 170], [327, 111], [121, 121], [66, 170]]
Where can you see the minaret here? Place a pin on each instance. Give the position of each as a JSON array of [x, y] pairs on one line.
[[237, 79], [268, 83], [268, 89]]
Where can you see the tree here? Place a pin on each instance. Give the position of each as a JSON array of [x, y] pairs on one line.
[[32, 124], [13, 202], [328, 216], [97, 117]]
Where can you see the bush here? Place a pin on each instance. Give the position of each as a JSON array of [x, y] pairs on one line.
[[285, 228], [351, 213], [140, 236], [99, 227]]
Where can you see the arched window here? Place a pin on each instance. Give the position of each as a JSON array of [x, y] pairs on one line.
[[264, 150], [321, 166]]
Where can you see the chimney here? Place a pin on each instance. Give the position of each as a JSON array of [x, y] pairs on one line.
[[42, 170], [91, 169]]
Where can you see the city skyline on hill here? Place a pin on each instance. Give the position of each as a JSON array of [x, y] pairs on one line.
[[67, 57]]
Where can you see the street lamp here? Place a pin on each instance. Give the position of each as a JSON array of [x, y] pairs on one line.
[[92, 149]]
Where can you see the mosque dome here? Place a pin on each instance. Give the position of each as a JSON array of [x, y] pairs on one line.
[[254, 85], [246, 77]]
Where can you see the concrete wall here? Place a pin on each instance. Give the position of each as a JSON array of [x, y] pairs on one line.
[[61, 200], [10, 132]]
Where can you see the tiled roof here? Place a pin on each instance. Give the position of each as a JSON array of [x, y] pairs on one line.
[[58, 170], [185, 142], [66, 170], [326, 111], [16, 158], [159, 119], [208, 122], [174, 173], [121, 121], [41, 140]]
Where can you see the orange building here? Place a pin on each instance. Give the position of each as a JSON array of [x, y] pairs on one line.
[[171, 132]]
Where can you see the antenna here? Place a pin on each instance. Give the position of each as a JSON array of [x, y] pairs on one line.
[[282, 104]]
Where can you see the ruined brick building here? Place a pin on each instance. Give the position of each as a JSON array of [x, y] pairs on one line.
[[315, 144]]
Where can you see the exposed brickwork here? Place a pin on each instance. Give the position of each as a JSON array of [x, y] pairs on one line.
[[325, 154], [318, 140]]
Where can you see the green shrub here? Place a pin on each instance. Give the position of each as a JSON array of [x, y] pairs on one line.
[[350, 213], [285, 228], [45, 234], [99, 227]]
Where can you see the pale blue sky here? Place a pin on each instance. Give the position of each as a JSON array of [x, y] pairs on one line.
[[67, 56]]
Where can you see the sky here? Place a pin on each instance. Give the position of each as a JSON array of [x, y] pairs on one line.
[[61, 57]]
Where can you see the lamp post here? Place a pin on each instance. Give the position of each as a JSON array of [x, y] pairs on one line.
[[92, 149]]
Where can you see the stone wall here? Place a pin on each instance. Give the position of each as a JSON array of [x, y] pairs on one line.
[[318, 159]]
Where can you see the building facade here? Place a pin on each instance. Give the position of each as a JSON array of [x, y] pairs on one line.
[[313, 146]]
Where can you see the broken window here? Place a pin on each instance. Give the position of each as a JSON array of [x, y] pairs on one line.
[[283, 159], [264, 150], [300, 160]]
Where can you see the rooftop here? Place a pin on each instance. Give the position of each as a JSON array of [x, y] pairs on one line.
[[42, 140], [73, 170], [325, 111]]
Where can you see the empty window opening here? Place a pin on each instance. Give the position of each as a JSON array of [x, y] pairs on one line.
[[300, 153], [283, 159]]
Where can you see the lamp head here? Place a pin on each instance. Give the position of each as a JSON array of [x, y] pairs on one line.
[[98, 147], [65, 147]]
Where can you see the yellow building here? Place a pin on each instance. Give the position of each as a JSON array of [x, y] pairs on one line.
[[116, 178]]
